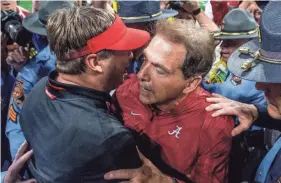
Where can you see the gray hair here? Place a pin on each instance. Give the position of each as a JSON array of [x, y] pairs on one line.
[[199, 44]]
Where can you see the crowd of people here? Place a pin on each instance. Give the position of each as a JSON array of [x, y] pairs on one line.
[[141, 92]]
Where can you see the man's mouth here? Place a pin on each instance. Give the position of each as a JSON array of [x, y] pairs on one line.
[[225, 55], [145, 89]]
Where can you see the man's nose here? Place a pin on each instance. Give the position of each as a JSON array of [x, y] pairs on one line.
[[143, 74]]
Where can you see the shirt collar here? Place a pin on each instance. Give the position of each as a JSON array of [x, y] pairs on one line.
[[55, 89]]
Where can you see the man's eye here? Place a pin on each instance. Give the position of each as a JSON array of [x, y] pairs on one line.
[[143, 59], [160, 71]]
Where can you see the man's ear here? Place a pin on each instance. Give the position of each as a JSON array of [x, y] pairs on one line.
[[192, 83], [93, 63]]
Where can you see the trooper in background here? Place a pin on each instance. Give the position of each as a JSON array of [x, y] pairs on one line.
[[36, 68], [260, 61], [13, 58], [248, 148]]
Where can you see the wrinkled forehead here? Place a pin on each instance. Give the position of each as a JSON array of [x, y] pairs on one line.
[[161, 50], [158, 49], [159, 42]]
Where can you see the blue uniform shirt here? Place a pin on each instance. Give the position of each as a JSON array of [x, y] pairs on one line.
[[274, 174], [269, 170], [29, 75]]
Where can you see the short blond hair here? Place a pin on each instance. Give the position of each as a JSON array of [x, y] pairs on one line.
[[70, 28], [199, 44]]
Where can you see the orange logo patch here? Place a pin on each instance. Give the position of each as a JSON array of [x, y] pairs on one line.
[[18, 93], [12, 114]]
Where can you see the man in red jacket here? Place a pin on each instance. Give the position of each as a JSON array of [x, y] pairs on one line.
[[166, 103]]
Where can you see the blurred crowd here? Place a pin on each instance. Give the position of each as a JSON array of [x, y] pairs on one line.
[[141, 91]]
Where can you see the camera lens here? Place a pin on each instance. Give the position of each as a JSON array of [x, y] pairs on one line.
[[12, 26], [17, 32], [175, 5]]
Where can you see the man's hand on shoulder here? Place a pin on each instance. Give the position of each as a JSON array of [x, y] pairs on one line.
[[246, 113]]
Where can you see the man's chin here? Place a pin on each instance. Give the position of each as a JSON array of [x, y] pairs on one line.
[[273, 112], [144, 100], [225, 58]]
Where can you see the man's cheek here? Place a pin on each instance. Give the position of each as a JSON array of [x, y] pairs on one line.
[[278, 103]]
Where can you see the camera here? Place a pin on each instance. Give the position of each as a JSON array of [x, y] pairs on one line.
[[11, 24]]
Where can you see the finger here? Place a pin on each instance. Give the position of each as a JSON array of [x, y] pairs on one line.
[[213, 107], [239, 129], [215, 100], [29, 181], [21, 150], [142, 157], [17, 165], [9, 59], [225, 111], [10, 53], [217, 95], [147, 170], [15, 57], [219, 113], [146, 161], [18, 55], [23, 52], [120, 174], [125, 182]]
